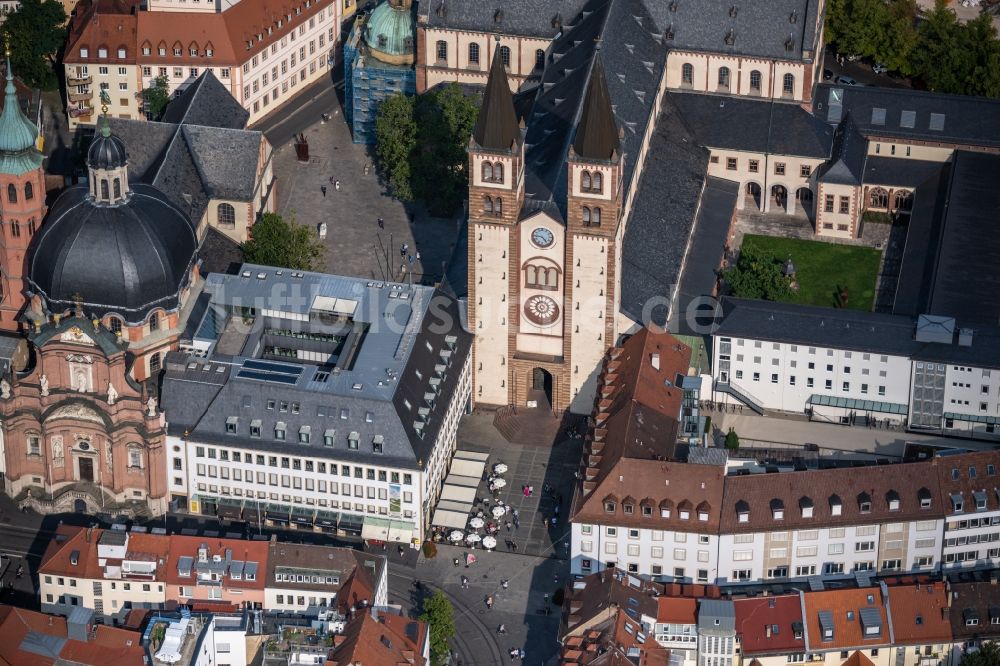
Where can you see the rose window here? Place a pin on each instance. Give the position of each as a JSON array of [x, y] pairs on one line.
[[541, 310]]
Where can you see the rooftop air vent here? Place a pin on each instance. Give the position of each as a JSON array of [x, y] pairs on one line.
[[790, 43], [733, 11], [793, 17], [730, 37], [498, 15]]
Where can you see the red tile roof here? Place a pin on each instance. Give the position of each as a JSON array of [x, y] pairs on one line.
[[973, 477], [675, 610], [858, 659], [109, 24], [918, 613], [844, 606], [109, 646], [767, 625], [378, 637], [852, 486]]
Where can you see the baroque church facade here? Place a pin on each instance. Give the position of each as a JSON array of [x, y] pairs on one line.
[[93, 299]]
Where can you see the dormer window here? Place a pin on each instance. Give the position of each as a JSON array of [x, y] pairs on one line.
[[703, 510], [806, 506], [84, 52], [980, 498], [231, 425], [836, 506], [957, 503], [647, 511], [777, 509], [102, 52], [743, 512], [279, 431], [304, 434], [609, 507], [666, 508], [628, 509], [924, 496], [352, 441], [892, 499], [255, 428]]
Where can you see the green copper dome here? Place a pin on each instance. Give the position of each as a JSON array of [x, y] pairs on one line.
[[18, 154], [390, 32]]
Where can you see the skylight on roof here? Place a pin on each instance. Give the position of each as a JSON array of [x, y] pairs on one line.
[[936, 122], [908, 119], [878, 116]]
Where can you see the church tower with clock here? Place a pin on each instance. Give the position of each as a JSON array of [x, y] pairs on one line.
[[543, 257]]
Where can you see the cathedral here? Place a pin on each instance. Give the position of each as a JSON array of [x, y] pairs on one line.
[[544, 238], [88, 315]]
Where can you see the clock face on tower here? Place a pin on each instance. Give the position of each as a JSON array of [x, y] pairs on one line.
[[542, 237]]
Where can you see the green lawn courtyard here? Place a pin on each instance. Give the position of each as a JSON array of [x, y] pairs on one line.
[[824, 269]]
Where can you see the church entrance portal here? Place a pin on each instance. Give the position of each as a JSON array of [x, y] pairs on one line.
[[541, 387]]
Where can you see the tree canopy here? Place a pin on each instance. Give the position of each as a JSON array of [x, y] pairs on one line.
[[732, 440], [286, 244], [988, 654], [34, 33], [946, 55], [420, 144], [439, 614], [156, 97], [757, 274]]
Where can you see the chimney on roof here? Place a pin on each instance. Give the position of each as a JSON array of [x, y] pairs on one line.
[[654, 359], [767, 630], [90, 530]]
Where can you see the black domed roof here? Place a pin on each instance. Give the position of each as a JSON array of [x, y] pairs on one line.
[[107, 151], [127, 258]]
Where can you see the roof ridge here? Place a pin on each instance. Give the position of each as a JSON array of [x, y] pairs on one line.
[[196, 160]]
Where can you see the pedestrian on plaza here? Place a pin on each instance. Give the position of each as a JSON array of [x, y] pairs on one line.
[[489, 602], [520, 654], [513, 653], [418, 255], [504, 583], [455, 561], [336, 185], [322, 188], [516, 514], [507, 525], [501, 629], [465, 583], [381, 223]]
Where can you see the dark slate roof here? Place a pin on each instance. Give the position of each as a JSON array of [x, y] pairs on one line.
[[898, 172], [822, 327], [597, 132], [496, 126], [708, 247], [127, 258], [393, 369], [762, 126], [192, 164], [963, 243], [208, 103], [966, 120], [923, 234], [847, 159], [531, 18], [106, 151], [219, 253], [632, 70], [869, 332], [759, 28], [658, 229]]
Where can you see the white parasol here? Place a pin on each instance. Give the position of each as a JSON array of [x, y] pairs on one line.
[[476, 523], [498, 483], [489, 542], [500, 468], [498, 511], [473, 538], [456, 535]]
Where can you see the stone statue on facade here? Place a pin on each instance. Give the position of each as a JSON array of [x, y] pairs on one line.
[[112, 394], [4, 389], [43, 381], [57, 447], [151, 406]]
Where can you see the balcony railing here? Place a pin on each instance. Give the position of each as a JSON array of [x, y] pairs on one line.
[[85, 112], [81, 96], [81, 80]]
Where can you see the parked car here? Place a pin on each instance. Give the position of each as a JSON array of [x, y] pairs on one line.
[[879, 68], [846, 81]]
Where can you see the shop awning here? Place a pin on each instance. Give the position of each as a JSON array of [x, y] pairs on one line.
[[303, 515], [400, 531], [231, 509], [973, 418], [473, 468], [857, 405], [462, 494], [465, 481], [327, 519], [453, 519], [375, 528], [278, 513], [351, 523]]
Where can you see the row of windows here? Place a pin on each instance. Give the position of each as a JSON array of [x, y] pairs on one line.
[[776, 346], [322, 503], [297, 482], [102, 52], [845, 204], [812, 365], [879, 198], [441, 51], [725, 78], [29, 192], [287, 462], [295, 79], [178, 50], [753, 166], [178, 72], [810, 383], [15, 228]]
